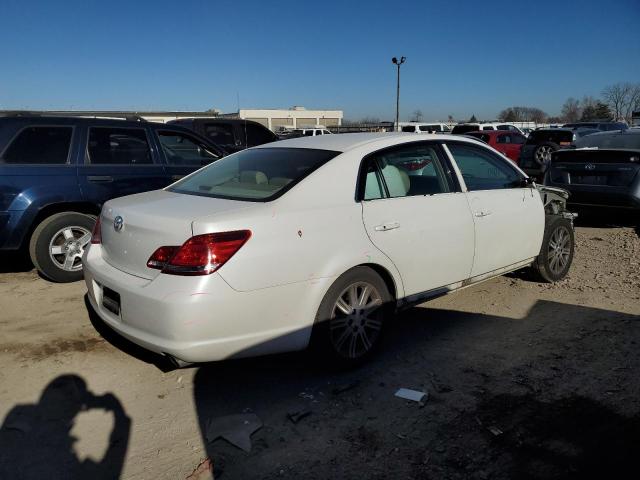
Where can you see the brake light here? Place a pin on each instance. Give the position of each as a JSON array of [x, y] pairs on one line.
[[200, 255], [96, 235], [161, 256]]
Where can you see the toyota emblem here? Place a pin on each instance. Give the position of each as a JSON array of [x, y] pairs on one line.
[[118, 223], [590, 166]]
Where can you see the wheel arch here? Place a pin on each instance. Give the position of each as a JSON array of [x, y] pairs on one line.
[[54, 208]]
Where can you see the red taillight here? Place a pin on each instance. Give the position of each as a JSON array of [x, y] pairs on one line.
[[161, 256], [200, 255], [96, 235]]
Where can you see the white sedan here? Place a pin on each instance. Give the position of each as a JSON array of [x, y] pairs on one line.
[[316, 240]]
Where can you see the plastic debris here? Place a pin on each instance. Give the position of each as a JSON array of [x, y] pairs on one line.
[[495, 430], [413, 395], [235, 429], [295, 417]]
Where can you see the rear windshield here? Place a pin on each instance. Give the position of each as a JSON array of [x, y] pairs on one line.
[[629, 141], [254, 175], [458, 129], [555, 136]]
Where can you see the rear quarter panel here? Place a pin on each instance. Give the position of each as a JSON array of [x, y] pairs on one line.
[[314, 231]]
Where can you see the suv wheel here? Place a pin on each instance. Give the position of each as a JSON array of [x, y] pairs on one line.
[[57, 245], [542, 154], [351, 316], [556, 253]]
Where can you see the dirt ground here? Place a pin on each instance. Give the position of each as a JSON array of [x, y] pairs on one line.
[[524, 380]]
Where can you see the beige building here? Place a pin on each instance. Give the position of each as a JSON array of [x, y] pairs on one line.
[[295, 117]]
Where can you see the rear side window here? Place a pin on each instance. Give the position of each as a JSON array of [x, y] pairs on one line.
[[39, 145], [254, 175], [257, 135], [405, 171], [220, 134], [118, 146], [460, 129], [482, 170], [182, 149], [409, 128], [630, 141]]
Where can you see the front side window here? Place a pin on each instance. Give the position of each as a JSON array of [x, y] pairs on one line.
[[254, 175], [39, 145], [182, 149], [405, 171], [118, 146], [488, 128], [257, 135], [482, 169]]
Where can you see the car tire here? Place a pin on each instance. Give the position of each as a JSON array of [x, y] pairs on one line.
[[57, 244], [542, 153], [556, 253], [346, 339]]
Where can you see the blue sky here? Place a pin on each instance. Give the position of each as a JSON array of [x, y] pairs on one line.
[[463, 57]]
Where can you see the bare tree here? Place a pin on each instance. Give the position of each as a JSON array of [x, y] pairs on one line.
[[616, 97], [417, 116], [571, 110], [633, 102]]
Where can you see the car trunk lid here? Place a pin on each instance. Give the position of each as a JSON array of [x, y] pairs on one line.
[[603, 167], [151, 220]]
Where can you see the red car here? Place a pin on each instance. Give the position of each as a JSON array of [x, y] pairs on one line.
[[507, 143]]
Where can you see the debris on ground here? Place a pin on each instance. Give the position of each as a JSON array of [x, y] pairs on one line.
[[236, 429], [344, 387], [413, 395], [203, 471], [495, 430], [298, 415]]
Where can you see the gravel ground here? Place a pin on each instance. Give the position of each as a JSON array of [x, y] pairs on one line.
[[524, 380]]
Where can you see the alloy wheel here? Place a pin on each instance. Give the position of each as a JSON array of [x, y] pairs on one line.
[[543, 154], [356, 320], [67, 246], [559, 250]]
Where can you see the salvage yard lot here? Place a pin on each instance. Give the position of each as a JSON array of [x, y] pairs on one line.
[[524, 379]]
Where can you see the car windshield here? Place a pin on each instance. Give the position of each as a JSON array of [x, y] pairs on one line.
[[625, 140], [255, 175]]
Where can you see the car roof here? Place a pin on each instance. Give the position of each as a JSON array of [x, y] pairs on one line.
[[492, 132], [61, 120], [344, 142]]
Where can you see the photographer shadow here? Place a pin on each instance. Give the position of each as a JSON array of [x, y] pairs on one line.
[[37, 442]]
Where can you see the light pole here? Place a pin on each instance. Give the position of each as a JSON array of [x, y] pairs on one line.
[[398, 63]]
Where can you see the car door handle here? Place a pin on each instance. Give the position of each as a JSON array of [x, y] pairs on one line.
[[100, 178], [386, 226], [482, 213]]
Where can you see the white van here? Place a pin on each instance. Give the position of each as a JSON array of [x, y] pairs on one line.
[[417, 127]]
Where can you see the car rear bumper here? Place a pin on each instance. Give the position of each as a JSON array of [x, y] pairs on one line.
[[601, 196], [201, 318]]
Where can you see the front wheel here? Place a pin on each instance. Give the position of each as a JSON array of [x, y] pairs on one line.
[[350, 319], [556, 254], [57, 245]]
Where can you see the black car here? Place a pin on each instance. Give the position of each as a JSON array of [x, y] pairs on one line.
[[601, 126], [536, 151], [602, 170], [232, 134]]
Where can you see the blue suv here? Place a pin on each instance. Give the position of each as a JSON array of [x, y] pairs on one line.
[[56, 172]]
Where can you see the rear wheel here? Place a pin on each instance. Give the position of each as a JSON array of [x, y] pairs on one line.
[[542, 154], [350, 319], [556, 253], [57, 245]]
